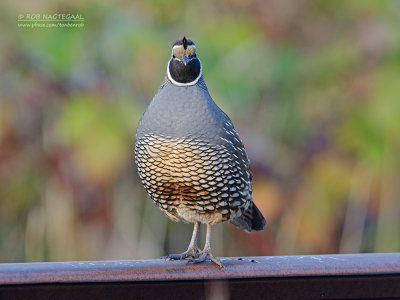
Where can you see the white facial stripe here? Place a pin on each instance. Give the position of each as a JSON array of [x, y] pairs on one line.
[[187, 83]]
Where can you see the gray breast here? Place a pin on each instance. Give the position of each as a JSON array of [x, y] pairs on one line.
[[180, 112], [189, 154]]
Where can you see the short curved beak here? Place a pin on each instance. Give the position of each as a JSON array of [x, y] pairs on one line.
[[185, 60]]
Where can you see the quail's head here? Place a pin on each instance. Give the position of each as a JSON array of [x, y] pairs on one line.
[[184, 67]]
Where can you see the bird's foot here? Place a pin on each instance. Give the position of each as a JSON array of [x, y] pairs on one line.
[[191, 252], [203, 256]]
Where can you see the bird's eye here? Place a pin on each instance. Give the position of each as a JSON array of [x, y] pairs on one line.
[[173, 56]]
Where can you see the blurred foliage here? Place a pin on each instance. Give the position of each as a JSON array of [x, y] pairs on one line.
[[311, 86]]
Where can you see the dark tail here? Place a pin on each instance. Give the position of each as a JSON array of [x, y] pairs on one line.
[[251, 219]]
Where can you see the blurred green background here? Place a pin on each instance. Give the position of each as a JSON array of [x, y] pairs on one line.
[[313, 88]]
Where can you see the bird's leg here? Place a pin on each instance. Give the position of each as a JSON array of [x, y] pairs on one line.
[[206, 252], [193, 250]]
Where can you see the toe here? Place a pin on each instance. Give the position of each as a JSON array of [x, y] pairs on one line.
[[203, 257], [216, 261], [176, 256], [199, 259], [184, 255]]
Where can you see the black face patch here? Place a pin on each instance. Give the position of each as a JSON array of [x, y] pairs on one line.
[[184, 74]]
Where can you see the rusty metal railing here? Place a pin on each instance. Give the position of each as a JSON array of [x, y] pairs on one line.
[[345, 276]]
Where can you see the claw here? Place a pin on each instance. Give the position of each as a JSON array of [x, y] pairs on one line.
[[192, 252], [203, 256]]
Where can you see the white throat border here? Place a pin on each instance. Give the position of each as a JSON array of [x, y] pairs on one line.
[[187, 83]]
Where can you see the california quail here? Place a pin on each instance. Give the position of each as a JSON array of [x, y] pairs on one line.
[[190, 159]]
